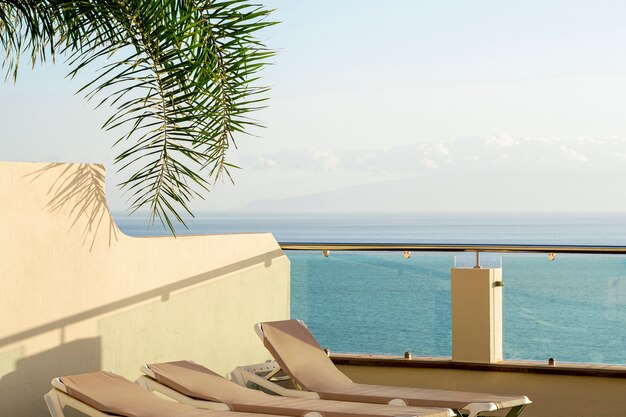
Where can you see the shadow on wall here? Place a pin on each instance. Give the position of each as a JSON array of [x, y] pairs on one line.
[[22, 390], [162, 292], [78, 192]]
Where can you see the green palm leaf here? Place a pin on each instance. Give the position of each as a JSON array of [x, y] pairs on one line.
[[181, 80]]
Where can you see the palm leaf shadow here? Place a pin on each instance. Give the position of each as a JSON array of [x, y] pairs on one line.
[[78, 190]]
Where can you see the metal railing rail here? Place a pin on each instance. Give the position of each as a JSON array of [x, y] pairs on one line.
[[436, 247], [407, 248]]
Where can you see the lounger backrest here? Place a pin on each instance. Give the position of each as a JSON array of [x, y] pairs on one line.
[[113, 394], [300, 356], [199, 382]]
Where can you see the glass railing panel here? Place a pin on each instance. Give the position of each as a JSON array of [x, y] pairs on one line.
[[374, 302], [572, 309]]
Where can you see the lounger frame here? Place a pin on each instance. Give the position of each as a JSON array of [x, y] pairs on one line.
[[58, 398], [262, 375], [149, 382], [249, 374], [246, 374]]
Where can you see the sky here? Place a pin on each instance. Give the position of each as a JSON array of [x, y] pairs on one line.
[[524, 102]]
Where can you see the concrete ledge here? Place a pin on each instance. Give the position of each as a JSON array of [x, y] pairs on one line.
[[526, 367]]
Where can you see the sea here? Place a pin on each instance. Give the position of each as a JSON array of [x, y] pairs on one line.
[[572, 308]]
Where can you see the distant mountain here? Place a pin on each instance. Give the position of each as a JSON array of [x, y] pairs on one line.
[[475, 191], [386, 196]]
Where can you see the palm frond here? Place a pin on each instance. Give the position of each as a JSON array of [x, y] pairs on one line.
[[181, 79], [26, 27]]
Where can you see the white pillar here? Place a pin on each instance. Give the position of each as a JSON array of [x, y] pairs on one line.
[[476, 314]]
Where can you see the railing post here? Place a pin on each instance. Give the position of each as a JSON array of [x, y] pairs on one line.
[[476, 314]]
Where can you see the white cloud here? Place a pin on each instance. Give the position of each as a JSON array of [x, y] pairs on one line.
[[573, 154], [325, 159], [429, 163], [501, 140], [501, 152], [443, 149], [264, 162]]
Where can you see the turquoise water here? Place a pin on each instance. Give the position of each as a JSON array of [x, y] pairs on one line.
[[572, 309]]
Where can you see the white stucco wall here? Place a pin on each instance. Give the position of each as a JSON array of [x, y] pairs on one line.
[[77, 295]]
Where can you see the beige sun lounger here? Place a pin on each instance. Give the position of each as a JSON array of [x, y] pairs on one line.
[[193, 384], [104, 394], [302, 358]]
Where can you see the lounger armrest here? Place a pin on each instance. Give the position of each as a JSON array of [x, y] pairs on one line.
[[145, 369], [267, 370], [242, 377], [258, 329], [475, 408], [58, 384]]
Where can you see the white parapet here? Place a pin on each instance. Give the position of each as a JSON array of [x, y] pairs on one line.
[[476, 314], [78, 295]]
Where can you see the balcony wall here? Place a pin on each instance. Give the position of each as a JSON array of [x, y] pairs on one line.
[[77, 295], [558, 391]]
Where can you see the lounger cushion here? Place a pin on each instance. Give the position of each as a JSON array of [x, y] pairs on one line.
[[299, 355], [113, 394], [421, 397], [198, 382]]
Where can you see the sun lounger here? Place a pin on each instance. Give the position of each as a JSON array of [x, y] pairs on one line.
[[302, 358], [104, 394], [193, 384]]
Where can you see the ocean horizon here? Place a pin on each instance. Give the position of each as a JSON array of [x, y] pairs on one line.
[[572, 309], [576, 228]]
